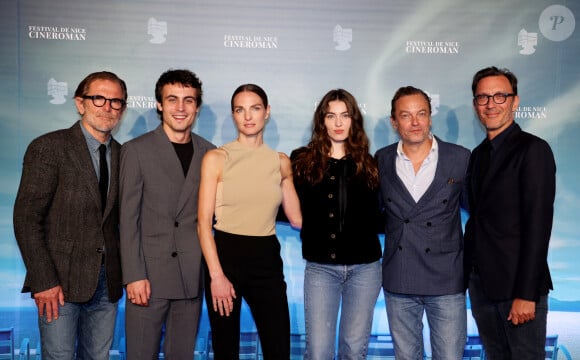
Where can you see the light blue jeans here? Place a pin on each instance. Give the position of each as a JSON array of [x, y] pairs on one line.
[[91, 325], [325, 286], [447, 319]]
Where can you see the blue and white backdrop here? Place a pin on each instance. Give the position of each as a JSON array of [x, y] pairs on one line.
[[297, 50]]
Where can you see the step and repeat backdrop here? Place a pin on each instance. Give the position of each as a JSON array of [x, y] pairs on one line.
[[297, 51]]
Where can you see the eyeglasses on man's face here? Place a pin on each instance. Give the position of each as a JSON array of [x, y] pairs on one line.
[[100, 101], [498, 98]]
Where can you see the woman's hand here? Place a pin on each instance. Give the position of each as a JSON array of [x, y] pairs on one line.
[[223, 295]]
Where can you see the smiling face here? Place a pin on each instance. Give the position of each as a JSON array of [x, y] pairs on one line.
[[179, 108], [412, 119], [100, 121], [337, 122], [495, 117], [249, 113]]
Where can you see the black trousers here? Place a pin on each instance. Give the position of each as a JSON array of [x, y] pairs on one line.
[[254, 266]]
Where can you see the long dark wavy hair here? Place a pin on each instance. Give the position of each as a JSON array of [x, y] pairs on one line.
[[311, 162]]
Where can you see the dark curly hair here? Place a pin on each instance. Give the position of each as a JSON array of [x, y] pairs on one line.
[[182, 77]]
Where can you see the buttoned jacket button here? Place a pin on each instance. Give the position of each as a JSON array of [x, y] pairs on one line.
[[333, 236], [176, 224], [174, 254], [333, 256]]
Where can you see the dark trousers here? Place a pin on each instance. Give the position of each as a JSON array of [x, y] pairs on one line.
[[144, 327], [501, 339], [254, 266]]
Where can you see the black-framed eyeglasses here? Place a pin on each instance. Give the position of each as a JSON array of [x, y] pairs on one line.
[[498, 98], [100, 101]]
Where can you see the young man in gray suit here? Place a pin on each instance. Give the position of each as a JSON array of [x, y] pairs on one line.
[[422, 181], [66, 222], [160, 251]]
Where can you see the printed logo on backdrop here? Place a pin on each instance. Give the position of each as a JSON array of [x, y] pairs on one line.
[[531, 112], [363, 108], [141, 102], [342, 37], [58, 91], [432, 47], [251, 41], [435, 103], [528, 41], [557, 22], [158, 31], [141, 119], [72, 33]]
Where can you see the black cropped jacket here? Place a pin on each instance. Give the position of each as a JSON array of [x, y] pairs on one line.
[[340, 217]]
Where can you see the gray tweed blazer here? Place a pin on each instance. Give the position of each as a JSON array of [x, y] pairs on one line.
[[57, 218]]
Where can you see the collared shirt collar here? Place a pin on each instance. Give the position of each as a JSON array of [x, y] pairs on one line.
[[93, 145], [91, 141], [418, 182], [434, 147]]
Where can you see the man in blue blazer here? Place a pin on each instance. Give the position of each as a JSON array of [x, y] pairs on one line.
[[512, 177], [160, 251], [422, 181], [67, 225]]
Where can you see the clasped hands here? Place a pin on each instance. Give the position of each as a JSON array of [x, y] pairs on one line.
[[139, 292], [522, 311]]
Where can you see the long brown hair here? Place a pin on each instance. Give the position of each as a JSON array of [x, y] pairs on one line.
[[311, 162]]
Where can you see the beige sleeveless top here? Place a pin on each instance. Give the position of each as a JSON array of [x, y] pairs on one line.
[[248, 197]]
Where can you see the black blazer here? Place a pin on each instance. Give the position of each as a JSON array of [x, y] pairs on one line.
[[57, 217], [511, 221]]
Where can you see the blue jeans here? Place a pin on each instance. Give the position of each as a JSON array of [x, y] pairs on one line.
[[501, 339], [325, 286], [90, 325], [447, 319]]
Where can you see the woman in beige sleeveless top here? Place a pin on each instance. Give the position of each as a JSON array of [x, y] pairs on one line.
[[243, 184]]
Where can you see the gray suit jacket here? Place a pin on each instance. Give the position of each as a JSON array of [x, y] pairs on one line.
[[423, 240], [159, 216], [57, 217]]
